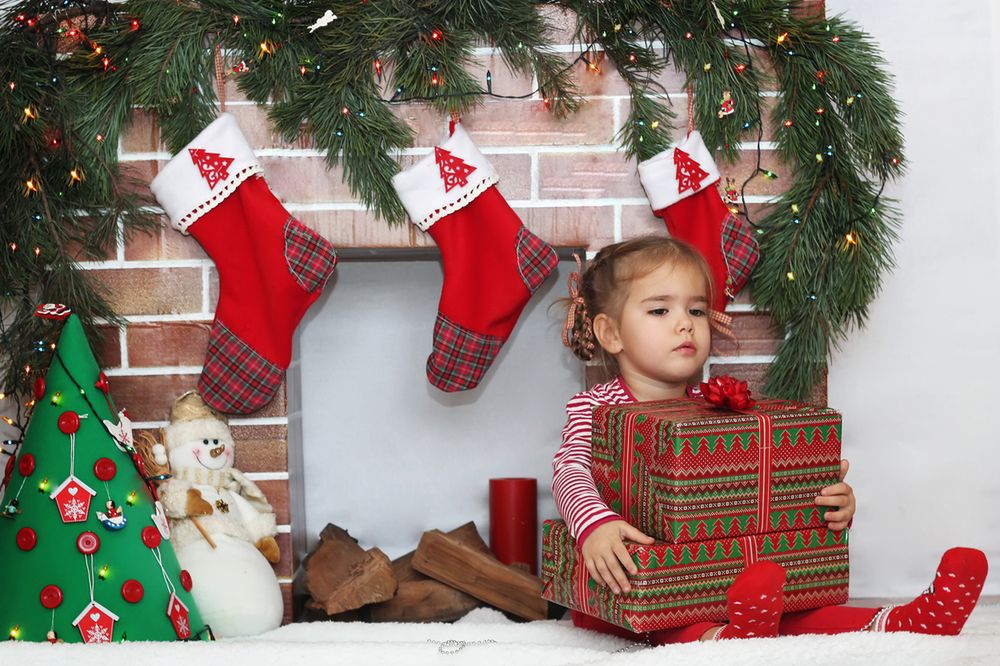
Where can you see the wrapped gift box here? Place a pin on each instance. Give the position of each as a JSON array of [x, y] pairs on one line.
[[680, 584], [685, 470]]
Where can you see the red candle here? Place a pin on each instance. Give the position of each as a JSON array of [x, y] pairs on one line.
[[514, 521]]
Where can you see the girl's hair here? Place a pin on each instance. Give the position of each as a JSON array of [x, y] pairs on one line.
[[603, 286]]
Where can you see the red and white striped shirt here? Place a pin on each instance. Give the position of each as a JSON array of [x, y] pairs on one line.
[[573, 486]]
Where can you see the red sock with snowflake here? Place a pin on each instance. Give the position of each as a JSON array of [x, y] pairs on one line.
[[945, 606], [492, 263], [754, 602], [679, 184], [271, 267]]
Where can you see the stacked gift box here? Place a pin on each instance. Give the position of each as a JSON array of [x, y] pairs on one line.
[[719, 489]]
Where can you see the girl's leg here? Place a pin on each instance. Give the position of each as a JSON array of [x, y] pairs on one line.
[[827, 620], [941, 610], [947, 603]]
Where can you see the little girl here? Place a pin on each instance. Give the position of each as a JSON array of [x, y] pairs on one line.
[[642, 308]]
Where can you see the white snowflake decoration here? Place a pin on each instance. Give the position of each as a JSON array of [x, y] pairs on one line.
[[98, 634], [75, 509], [182, 627]]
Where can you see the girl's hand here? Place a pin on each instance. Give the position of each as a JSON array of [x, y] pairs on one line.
[[841, 496], [606, 557]]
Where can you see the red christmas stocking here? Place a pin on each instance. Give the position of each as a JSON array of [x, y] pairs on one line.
[[492, 264], [947, 603], [754, 602], [678, 184], [271, 267]]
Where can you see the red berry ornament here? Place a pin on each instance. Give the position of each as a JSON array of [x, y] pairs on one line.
[[88, 543], [151, 536], [26, 465], [51, 596], [105, 469], [102, 383], [26, 538], [186, 582], [39, 388], [69, 422]]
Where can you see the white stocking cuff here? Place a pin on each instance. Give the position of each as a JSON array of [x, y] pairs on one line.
[[659, 173], [422, 187], [204, 172]]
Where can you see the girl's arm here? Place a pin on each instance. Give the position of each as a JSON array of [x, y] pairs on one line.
[[573, 487]]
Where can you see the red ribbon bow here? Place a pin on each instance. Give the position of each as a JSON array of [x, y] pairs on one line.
[[727, 392]]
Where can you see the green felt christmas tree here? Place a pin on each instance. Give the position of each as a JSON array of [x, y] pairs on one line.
[[84, 545]]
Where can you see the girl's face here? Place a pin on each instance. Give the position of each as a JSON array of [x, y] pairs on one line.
[[662, 337]]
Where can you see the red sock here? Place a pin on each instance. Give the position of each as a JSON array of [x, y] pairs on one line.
[[754, 602], [945, 606], [492, 263], [271, 267]]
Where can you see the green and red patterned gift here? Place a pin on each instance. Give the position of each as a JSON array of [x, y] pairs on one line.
[[680, 584], [685, 470], [719, 487]]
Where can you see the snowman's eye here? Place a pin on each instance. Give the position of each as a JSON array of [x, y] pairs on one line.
[[215, 441], [204, 441]]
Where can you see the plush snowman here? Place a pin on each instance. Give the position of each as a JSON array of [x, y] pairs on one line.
[[221, 525]]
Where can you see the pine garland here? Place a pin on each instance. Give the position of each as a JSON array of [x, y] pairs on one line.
[[74, 71]]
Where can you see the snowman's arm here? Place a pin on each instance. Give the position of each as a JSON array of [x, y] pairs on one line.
[[174, 497]]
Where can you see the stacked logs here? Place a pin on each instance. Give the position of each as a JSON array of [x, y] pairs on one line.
[[448, 575]]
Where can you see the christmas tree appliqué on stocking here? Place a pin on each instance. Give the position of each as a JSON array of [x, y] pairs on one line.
[[271, 267], [213, 167], [492, 264]]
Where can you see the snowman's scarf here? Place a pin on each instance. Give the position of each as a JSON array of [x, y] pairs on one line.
[[229, 479]]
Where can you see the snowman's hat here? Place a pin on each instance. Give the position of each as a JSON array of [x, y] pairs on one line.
[[188, 407], [191, 407]]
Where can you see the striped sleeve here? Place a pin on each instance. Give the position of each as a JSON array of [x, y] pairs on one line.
[[573, 487]]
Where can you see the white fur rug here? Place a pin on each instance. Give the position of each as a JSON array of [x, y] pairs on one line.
[[486, 638]]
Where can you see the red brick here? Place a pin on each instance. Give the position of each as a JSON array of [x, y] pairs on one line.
[[143, 134], [136, 177], [756, 335], [355, 228], [108, 349], [640, 221], [286, 595], [151, 290], [163, 243], [150, 397], [587, 176], [528, 122], [168, 343], [305, 180], [515, 175], [504, 82], [747, 163], [261, 448], [755, 375], [809, 9], [284, 568], [561, 22], [277, 496], [428, 125], [590, 227]]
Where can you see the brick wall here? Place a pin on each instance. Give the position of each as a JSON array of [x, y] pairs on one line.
[[566, 179]]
